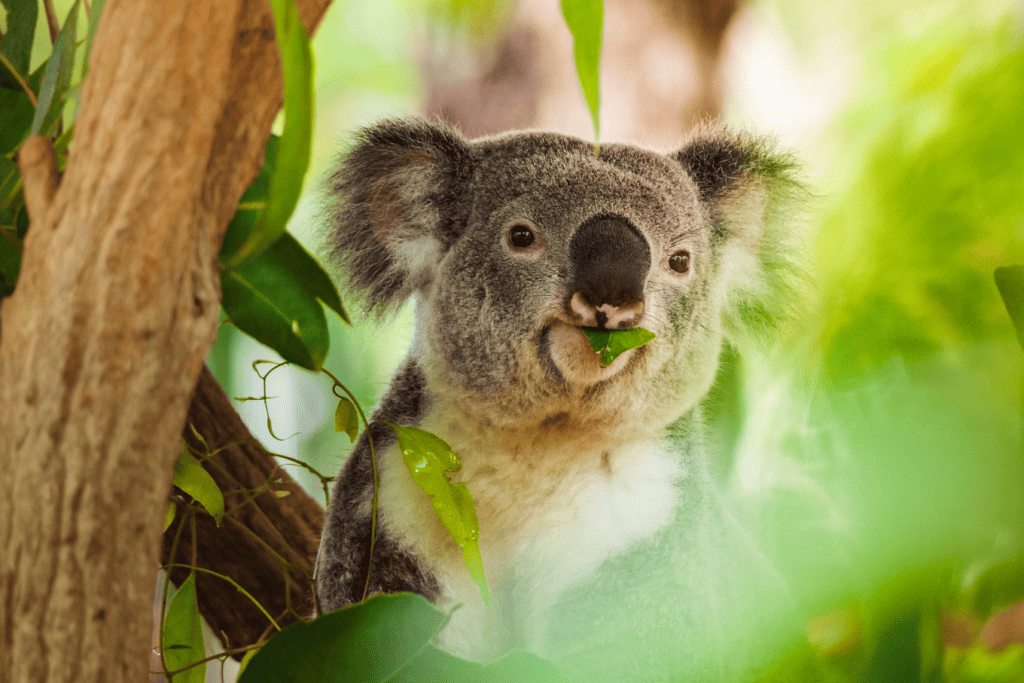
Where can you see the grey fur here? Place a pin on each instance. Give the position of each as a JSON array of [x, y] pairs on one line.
[[415, 209]]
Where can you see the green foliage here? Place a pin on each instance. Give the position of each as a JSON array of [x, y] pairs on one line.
[[585, 19], [1010, 281], [362, 643], [183, 636], [429, 460], [613, 343], [346, 419], [16, 45], [293, 158], [190, 477], [57, 78], [273, 295]]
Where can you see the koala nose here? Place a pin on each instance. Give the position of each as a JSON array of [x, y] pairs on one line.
[[611, 259]]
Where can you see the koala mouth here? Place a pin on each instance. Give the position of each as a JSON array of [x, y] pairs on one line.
[[566, 355]]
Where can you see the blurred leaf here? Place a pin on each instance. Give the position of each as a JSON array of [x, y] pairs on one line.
[[429, 460], [251, 205], [365, 642], [245, 662], [306, 270], [95, 10], [296, 140], [897, 656], [613, 343], [1010, 281], [172, 510], [193, 479], [183, 635], [432, 665], [16, 45], [265, 300], [585, 19], [998, 586], [54, 89], [17, 112], [346, 419]]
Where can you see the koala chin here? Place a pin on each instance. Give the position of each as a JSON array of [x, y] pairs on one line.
[[604, 543]]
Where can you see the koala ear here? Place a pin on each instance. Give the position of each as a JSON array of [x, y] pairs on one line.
[[393, 206], [752, 197]]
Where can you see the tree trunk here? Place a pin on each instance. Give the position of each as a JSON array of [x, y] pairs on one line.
[[267, 543], [115, 308]]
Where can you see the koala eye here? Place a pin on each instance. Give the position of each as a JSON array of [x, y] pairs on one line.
[[680, 261], [520, 236]]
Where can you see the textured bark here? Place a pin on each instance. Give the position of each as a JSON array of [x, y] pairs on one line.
[[115, 308], [263, 538]]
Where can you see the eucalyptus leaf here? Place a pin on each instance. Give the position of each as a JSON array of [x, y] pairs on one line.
[[585, 19], [1010, 281], [365, 642], [613, 343], [16, 45], [172, 510], [264, 299], [193, 479], [183, 635], [346, 419], [429, 460], [432, 665], [304, 268], [296, 140], [17, 112], [57, 77], [252, 204], [95, 10]]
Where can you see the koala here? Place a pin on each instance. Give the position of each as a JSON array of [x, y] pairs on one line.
[[606, 547]]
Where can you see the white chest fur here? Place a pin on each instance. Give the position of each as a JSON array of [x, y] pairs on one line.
[[548, 519]]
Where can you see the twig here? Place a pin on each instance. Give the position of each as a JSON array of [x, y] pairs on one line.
[[21, 81], [51, 21]]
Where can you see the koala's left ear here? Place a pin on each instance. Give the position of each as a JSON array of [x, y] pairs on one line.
[[752, 197]]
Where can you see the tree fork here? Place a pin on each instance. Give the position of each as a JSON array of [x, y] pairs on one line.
[[115, 308]]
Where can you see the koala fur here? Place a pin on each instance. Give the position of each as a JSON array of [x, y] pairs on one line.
[[605, 547]]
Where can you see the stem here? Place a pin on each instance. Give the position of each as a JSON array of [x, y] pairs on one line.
[[219, 655], [232, 582], [51, 21], [376, 480], [21, 81]]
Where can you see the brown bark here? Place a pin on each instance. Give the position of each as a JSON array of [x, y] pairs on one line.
[[115, 308], [266, 543]]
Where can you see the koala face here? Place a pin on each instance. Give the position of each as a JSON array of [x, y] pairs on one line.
[[513, 244]]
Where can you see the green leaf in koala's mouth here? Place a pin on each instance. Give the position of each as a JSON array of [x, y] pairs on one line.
[[613, 343]]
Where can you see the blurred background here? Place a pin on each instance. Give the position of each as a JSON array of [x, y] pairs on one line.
[[875, 451]]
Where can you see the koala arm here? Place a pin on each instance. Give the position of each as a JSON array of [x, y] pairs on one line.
[[344, 558]]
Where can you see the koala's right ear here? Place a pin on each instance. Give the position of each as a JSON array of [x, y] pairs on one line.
[[393, 206]]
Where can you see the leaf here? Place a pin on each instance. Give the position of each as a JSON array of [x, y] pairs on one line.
[[367, 641], [193, 479], [57, 77], [246, 219], [183, 635], [1010, 282], [95, 10], [16, 45], [613, 343], [17, 112], [264, 299], [429, 460], [172, 510], [432, 665], [346, 419], [296, 140], [585, 19], [307, 271]]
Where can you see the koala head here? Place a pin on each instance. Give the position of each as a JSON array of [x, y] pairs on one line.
[[512, 244]]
